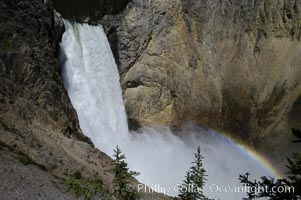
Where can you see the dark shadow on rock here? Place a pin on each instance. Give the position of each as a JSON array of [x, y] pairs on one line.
[[134, 124], [89, 10], [113, 40]]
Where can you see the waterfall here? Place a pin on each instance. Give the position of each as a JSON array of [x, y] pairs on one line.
[[92, 81], [91, 78]]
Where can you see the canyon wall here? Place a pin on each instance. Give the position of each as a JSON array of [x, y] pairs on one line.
[[31, 85], [231, 65], [37, 119]]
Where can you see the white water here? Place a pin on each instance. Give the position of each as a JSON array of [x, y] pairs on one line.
[[92, 80]]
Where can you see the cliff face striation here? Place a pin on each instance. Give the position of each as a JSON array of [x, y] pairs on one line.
[[231, 65]]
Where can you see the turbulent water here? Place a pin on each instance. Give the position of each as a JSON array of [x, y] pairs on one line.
[[92, 81]]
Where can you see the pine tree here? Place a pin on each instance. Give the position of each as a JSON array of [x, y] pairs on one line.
[[270, 186], [185, 192], [198, 174], [293, 181], [123, 177], [195, 179], [294, 172]]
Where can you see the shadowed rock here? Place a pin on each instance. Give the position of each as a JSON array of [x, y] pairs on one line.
[[88, 10]]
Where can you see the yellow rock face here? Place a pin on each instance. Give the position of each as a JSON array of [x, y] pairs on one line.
[[235, 67]]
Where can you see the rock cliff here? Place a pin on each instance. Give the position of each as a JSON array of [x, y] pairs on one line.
[[31, 85], [39, 129], [231, 65], [37, 119]]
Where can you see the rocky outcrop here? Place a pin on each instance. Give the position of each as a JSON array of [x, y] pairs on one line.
[[231, 65], [36, 116], [31, 85]]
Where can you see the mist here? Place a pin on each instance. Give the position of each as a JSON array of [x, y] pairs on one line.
[[163, 159]]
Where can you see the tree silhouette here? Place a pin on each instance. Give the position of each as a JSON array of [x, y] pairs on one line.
[[185, 193], [195, 179], [292, 184], [123, 189], [268, 188], [297, 134], [294, 171]]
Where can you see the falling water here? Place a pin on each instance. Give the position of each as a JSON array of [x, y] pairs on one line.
[[92, 81]]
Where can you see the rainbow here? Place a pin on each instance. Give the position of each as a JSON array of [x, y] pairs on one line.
[[251, 152]]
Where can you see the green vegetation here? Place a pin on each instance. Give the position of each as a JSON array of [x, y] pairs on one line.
[[291, 186], [22, 157], [195, 179], [89, 189], [267, 187], [95, 188], [294, 171], [123, 189]]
